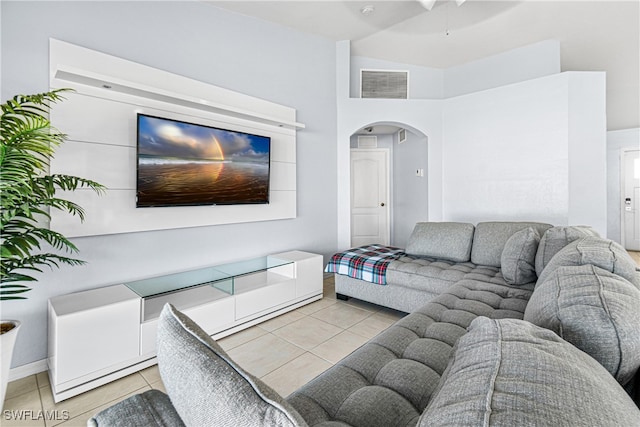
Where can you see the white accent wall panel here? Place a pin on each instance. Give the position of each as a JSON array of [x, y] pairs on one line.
[[107, 164], [101, 127], [116, 211]]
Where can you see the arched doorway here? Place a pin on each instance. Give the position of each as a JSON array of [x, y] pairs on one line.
[[388, 188]]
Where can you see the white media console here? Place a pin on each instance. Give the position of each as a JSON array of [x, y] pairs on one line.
[[103, 334]]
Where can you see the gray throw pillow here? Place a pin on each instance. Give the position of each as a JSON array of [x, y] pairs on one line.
[[206, 387], [490, 237], [443, 240], [509, 372], [595, 310], [518, 257], [603, 253], [557, 238]]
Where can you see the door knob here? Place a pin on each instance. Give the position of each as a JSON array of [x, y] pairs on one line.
[[382, 204]]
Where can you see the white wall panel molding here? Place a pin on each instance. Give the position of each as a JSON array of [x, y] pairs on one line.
[[78, 66], [101, 126]]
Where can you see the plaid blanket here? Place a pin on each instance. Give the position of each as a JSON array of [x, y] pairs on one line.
[[367, 263]]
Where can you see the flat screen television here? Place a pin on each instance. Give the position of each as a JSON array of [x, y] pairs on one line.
[[188, 164]]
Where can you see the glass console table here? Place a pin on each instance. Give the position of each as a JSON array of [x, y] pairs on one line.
[[195, 287]]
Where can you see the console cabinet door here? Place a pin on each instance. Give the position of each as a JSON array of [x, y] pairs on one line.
[[262, 292], [309, 276], [92, 330]]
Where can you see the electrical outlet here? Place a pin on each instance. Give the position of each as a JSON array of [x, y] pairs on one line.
[[420, 172]]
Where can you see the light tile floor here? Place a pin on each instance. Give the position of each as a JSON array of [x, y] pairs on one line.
[[285, 352]]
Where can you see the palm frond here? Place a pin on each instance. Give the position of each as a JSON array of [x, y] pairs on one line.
[[29, 192]]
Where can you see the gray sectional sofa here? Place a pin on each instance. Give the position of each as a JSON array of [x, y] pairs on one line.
[[549, 337]]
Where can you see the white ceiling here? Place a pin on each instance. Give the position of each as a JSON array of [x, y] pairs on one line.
[[594, 35]]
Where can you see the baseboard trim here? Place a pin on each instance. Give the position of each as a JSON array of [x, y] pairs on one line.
[[29, 369]]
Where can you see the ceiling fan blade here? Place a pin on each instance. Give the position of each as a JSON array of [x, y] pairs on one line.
[[427, 4]]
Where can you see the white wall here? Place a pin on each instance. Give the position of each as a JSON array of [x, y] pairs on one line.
[[517, 65], [527, 151], [587, 150], [199, 41], [617, 141], [410, 192], [506, 153]]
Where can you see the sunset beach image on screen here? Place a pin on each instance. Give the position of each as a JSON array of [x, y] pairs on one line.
[[188, 164]]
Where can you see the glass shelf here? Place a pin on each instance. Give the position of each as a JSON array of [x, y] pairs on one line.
[[221, 277]]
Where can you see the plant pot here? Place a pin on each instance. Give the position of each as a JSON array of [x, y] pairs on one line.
[[7, 342]]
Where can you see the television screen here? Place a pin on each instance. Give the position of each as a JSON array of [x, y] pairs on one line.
[[186, 164]]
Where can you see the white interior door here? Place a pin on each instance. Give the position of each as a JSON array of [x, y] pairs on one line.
[[370, 197], [631, 199]]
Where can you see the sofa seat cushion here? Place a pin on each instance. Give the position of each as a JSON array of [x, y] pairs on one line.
[[444, 240], [510, 372], [436, 275], [151, 408], [490, 237], [206, 387], [390, 379], [602, 253], [596, 311]]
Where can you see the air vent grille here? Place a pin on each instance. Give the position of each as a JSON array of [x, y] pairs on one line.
[[369, 141], [384, 84]]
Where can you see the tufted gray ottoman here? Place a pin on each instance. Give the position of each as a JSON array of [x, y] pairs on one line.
[[389, 381]]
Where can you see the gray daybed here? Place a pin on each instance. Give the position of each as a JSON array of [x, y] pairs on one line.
[[438, 254]]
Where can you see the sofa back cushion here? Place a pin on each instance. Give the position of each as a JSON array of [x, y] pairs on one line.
[[490, 237], [518, 257], [443, 240], [206, 387], [557, 238], [595, 310], [603, 253], [509, 372]]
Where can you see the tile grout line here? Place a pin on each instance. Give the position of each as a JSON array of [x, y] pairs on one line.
[[297, 346], [44, 423], [295, 358], [310, 351]]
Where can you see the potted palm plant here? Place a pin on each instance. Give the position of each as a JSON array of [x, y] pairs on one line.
[[27, 195]]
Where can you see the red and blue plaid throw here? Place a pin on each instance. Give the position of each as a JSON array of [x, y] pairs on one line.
[[367, 263]]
